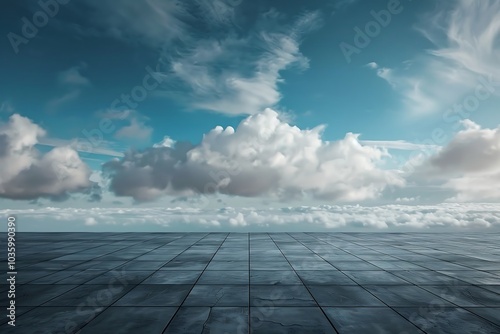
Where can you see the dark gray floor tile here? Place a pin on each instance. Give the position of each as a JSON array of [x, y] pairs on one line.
[[101, 295], [354, 265], [325, 277], [272, 277], [173, 277], [474, 277], [396, 265], [181, 265], [427, 277], [489, 313], [229, 277], [130, 320], [208, 320], [280, 295], [228, 265], [43, 320], [440, 265], [55, 277], [27, 276], [105, 265], [218, 295], [407, 296], [37, 294], [375, 277], [343, 295], [155, 295], [268, 265], [142, 265], [81, 276], [466, 295], [463, 269], [120, 277], [362, 320], [289, 320], [492, 288], [448, 321], [312, 265]]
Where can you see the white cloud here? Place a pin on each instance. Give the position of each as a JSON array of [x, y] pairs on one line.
[[73, 82], [466, 55], [469, 164], [82, 145], [207, 62], [90, 221], [166, 142], [398, 145], [252, 66], [152, 22], [72, 76], [137, 130], [407, 199], [27, 174], [325, 217], [264, 155], [6, 107]]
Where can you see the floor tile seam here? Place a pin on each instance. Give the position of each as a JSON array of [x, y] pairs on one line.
[[123, 264], [427, 269], [367, 261], [249, 329], [382, 302], [194, 284], [139, 283], [381, 269], [308, 291], [106, 271]]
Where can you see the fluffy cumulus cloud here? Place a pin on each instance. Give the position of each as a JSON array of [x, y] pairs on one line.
[[469, 164], [25, 173], [336, 217], [263, 156]]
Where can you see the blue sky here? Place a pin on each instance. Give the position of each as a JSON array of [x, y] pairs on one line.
[[249, 115]]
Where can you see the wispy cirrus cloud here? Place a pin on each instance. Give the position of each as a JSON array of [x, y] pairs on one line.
[[135, 128], [465, 34], [73, 82], [239, 74], [6, 107], [207, 60]]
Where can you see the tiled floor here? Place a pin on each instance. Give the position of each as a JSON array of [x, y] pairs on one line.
[[255, 283]]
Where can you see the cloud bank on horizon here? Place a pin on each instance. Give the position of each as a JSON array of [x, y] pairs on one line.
[[231, 102]]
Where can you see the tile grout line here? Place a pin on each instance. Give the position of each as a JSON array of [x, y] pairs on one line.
[[418, 286], [137, 284], [249, 285], [194, 284], [308, 291], [365, 288]]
